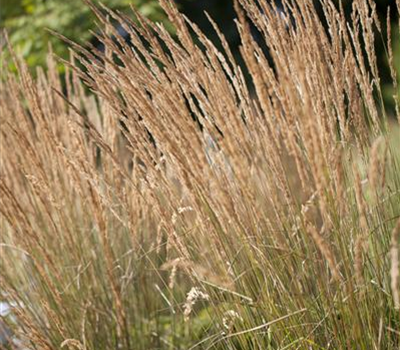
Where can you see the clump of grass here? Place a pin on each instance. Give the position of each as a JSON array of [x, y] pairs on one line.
[[176, 184]]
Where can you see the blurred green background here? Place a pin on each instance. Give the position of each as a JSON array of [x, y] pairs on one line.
[[26, 22]]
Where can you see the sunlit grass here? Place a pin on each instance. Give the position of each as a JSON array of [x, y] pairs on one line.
[[178, 207]]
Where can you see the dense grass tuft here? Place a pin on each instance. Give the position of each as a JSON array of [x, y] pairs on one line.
[[181, 205]]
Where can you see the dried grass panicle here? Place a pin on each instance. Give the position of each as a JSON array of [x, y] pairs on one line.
[[72, 344], [181, 160], [395, 265], [377, 165], [326, 251], [361, 203], [194, 295]]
